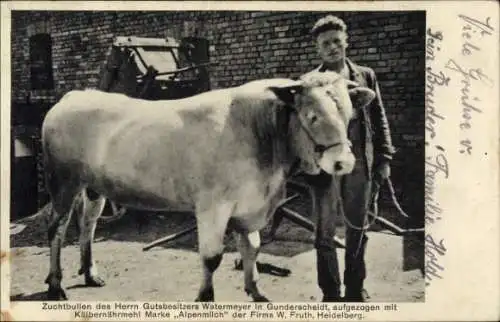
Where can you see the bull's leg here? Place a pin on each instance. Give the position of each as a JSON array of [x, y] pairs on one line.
[[249, 246], [93, 205], [58, 224], [211, 229], [210, 264]]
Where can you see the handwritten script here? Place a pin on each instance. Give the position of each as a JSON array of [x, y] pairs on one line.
[[463, 68], [475, 32], [436, 162], [433, 251], [436, 169]]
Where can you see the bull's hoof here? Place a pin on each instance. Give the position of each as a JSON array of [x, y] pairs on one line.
[[260, 298], [94, 281], [56, 294], [205, 296]]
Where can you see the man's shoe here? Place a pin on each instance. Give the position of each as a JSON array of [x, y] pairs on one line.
[[356, 296]]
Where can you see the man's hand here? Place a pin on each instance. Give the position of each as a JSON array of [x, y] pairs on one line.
[[383, 171]]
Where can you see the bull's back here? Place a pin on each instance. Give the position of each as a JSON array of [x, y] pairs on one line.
[[126, 147], [74, 130]]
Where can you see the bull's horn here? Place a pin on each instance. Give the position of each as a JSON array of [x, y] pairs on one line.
[[351, 84]]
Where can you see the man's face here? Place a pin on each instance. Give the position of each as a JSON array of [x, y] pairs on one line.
[[331, 45]]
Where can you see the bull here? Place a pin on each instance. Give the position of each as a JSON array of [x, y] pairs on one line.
[[224, 153]]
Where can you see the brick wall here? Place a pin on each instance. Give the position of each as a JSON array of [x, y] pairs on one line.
[[249, 45]]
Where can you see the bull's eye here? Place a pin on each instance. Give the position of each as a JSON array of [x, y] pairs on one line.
[[334, 99], [312, 117], [339, 107]]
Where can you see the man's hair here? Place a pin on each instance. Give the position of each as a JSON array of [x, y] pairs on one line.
[[328, 23]]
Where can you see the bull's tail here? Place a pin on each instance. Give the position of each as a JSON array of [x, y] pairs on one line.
[[117, 213], [54, 188]]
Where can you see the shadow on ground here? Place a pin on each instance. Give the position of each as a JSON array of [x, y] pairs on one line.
[[146, 227], [39, 296], [126, 267]]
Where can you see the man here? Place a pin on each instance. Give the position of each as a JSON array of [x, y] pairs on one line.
[[348, 196]]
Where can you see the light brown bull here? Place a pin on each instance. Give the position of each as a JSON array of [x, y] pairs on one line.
[[224, 153]]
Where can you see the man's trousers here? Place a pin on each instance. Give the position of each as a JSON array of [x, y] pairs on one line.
[[347, 199]]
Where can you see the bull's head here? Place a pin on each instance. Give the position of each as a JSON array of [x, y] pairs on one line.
[[321, 106]]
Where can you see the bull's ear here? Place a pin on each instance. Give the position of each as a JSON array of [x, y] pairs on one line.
[[287, 93], [361, 96], [351, 84]]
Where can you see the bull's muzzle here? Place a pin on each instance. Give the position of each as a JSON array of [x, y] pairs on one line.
[[338, 160]]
